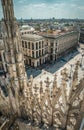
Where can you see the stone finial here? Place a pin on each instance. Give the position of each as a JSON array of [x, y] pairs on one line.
[[31, 78], [41, 87], [35, 88], [55, 81], [47, 82]]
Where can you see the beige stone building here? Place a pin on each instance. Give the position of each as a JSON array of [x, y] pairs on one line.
[[48, 47], [41, 49], [26, 29], [35, 49], [82, 35], [61, 43]]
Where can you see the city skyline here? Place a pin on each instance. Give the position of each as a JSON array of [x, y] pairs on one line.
[[43, 9]]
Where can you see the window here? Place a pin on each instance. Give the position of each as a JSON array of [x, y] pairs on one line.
[[56, 50], [33, 54], [32, 46], [46, 51], [39, 44], [51, 50], [25, 44], [36, 54], [36, 45], [0, 58], [39, 52], [22, 43], [28, 45], [56, 43], [42, 52], [42, 43], [51, 44]]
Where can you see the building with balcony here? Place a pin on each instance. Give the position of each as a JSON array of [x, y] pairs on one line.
[[26, 29], [42, 48], [60, 43], [47, 47], [82, 35], [35, 49]]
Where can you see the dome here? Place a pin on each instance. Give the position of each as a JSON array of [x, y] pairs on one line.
[[27, 27]]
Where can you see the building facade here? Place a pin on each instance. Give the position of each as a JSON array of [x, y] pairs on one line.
[[58, 45], [25, 29], [40, 49], [34, 49], [82, 35]]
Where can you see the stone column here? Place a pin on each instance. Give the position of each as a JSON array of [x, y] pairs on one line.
[[38, 45], [35, 63], [3, 61], [13, 51]]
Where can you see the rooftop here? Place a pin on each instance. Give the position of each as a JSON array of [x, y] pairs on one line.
[[31, 37], [55, 34], [26, 28]]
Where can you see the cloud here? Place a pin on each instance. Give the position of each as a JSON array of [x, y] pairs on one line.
[[73, 5], [48, 8], [59, 5], [81, 7], [43, 10], [42, 5], [21, 1]]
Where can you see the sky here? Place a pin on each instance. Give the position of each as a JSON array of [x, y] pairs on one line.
[[43, 9]]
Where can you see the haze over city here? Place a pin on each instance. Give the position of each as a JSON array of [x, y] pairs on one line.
[[43, 9]]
